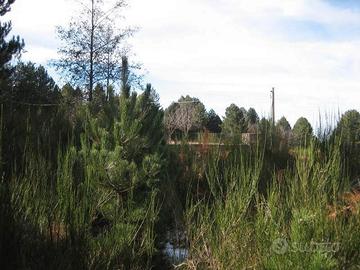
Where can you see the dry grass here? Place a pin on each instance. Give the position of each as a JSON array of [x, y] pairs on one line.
[[348, 204]]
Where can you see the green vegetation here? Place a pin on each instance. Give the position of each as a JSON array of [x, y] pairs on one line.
[[234, 121], [302, 132], [94, 177], [306, 219], [92, 204]]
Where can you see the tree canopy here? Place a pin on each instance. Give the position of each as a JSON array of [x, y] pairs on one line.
[[234, 122], [302, 132], [252, 117], [92, 47], [187, 114], [213, 122], [349, 126], [8, 47], [283, 124]]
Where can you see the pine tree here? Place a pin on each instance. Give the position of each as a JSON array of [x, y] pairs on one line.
[[213, 122], [124, 165], [252, 117], [234, 122], [283, 124], [10, 48], [302, 132]]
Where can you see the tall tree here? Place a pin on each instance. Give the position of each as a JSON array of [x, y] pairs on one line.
[[187, 114], [8, 48], [265, 131], [113, 55], [192, 114], [302, 132], [244, 111], [349, 127], [99, 100], [283, 133], [283, 124], [348, 130], [170, 120], [32, 115], [213, 122], [140, 121], [234, 122], [71, 102], [90, 44], [252, 117]]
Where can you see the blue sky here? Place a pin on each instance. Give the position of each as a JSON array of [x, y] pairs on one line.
[[346, 4], [230, 51]]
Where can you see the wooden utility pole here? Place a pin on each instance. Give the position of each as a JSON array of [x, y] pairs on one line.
[[273, 105]]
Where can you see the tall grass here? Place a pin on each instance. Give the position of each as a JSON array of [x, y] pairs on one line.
[[301, 222], [70, 218], [97, 205]]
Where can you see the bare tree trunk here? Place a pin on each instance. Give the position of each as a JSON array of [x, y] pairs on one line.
[[108, 76], [91, 74]]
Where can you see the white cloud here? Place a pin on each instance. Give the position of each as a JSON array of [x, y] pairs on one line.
[[225, 51], [221, 58]]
